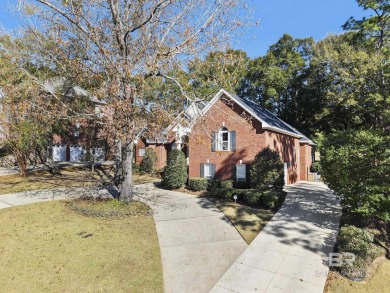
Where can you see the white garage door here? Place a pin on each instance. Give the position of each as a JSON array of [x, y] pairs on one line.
[[59, 153], [98, 154], [76, 153]]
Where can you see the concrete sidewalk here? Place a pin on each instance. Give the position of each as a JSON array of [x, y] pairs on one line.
[[197, 242], [290, 253]]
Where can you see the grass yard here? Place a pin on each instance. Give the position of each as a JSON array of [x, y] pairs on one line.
[[69, 177], [378, 283], [144, 178], [248, 221], [46, 247]]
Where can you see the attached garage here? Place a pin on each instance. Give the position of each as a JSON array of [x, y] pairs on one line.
[[59, 153], [76, 153], [98, 154]]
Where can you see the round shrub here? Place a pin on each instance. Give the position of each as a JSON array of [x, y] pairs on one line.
[[272, 199], [175, 173], [227, 184], [266, 171], [354, 240], [359, 242], [251, 197], [136, 168], [227, 193], [148, 163], [198, 184], [213, 184], [214, 191], [356, 270]]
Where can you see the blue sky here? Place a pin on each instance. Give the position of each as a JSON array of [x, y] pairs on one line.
[[299, 18]]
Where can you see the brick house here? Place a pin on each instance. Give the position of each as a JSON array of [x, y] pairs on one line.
[[158, 143], [221, 139]]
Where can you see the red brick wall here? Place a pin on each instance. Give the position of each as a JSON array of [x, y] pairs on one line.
[[305, 162], [250, 139], [288, 148], [160, 150]]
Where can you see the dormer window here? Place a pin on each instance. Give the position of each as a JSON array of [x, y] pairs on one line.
[[223, 140]]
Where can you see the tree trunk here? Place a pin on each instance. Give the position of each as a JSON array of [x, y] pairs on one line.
[[126, 193], [21, 160]]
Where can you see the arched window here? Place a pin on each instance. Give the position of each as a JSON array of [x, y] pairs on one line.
[[224, 139]]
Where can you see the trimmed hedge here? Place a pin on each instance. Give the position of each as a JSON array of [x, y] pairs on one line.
[[227, 193], [227, 184], [135, 168], [198, 184], [273, 199], [213, 184], [251, 197], [354, 240], [213, 191], [223, 193]]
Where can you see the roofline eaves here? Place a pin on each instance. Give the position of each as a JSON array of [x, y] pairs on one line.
[[265, 125]]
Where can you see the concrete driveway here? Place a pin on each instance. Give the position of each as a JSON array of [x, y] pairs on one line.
[[197, 242], [290, 253]]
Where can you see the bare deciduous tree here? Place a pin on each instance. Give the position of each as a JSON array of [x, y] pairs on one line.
[[112, 47]]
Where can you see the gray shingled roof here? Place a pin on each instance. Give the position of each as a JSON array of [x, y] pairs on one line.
[[268, 117], [271, 119]]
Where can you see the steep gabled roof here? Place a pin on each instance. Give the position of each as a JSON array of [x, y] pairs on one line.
[[268, 120]]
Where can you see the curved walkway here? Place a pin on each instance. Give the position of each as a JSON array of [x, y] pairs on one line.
[[290, 253], [197, 242]]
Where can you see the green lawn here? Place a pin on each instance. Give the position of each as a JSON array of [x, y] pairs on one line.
[[248, 221], [47, 247], [378, 283], [69, 177]]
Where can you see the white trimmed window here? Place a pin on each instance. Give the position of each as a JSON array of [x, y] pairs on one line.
[[207, 171], [142, 152], [223, 140], [241, 172]]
